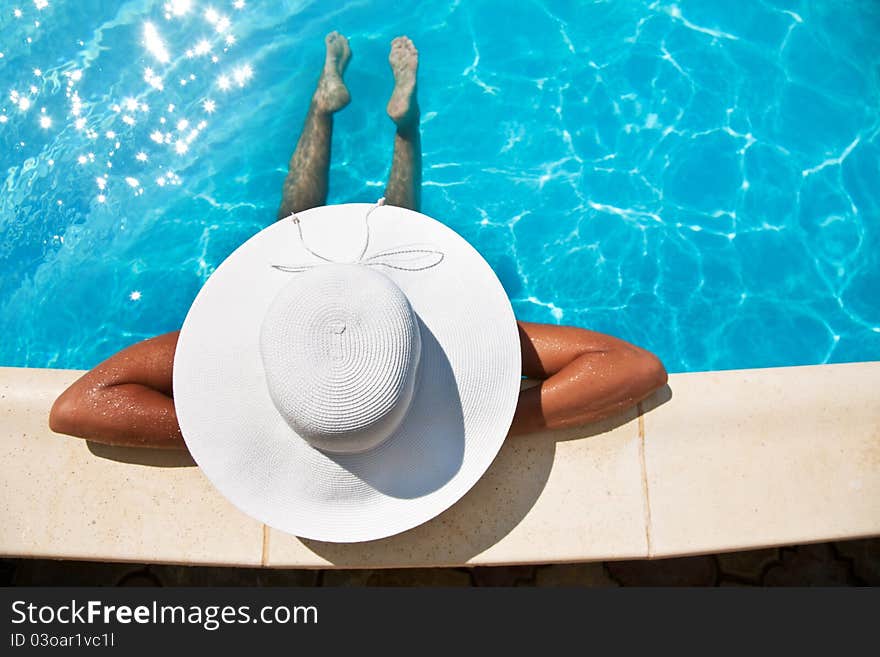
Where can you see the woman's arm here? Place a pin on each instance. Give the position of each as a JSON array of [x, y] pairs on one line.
[[126, 400], [586, 376]]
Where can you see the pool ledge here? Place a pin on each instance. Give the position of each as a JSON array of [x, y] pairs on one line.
[[719, 461]]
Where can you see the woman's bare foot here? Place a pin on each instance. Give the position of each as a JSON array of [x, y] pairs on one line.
[[403, 108], [332, 94]]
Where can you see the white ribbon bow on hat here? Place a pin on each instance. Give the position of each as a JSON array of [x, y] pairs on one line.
[[404, 258]]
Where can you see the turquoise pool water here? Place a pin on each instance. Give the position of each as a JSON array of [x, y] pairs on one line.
[[698, 177]]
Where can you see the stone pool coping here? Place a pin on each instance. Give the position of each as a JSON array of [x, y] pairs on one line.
[[718, 461]]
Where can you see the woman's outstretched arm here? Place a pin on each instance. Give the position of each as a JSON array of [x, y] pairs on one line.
[[126, 400], [586, 376]]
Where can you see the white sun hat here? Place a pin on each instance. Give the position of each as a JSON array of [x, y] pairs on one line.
[[348, 373]]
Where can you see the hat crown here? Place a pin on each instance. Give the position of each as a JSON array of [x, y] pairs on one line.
[[340, 346]]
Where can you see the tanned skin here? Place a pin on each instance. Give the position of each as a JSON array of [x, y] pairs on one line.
[[584, 376]]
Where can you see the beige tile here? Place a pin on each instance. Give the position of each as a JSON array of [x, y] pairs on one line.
[[62, 498], [734, 460], [570, 496], [754, 458]]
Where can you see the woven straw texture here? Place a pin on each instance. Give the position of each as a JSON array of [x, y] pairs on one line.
[[340, 348]]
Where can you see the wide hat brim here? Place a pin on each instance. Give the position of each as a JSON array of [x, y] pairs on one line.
[[461, 409]]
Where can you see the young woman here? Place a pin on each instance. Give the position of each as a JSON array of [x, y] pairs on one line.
[[585, 376]]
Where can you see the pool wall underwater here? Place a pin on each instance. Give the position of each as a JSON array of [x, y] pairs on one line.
[[699, 178]]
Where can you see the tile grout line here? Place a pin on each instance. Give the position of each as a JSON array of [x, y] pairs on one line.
[[645, 492], [264, 554]]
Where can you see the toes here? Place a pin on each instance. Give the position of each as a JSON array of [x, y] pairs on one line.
[[336, 40], [338, 49], [402, 43], [403, 49]]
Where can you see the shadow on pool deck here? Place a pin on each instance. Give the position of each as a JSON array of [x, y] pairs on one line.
[[158, 458], [491, 509], [658, 398], [481, 518]]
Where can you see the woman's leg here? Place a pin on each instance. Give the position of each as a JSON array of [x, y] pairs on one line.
[[405, 181], [306, 183]]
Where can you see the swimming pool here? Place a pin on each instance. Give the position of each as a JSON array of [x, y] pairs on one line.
[[697, 177]]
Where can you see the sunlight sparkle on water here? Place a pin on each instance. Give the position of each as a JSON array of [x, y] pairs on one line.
[[75, 104], [242, 74], [203, 47], [154, 43], [222, 24], [178, 7], [152, 79]]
